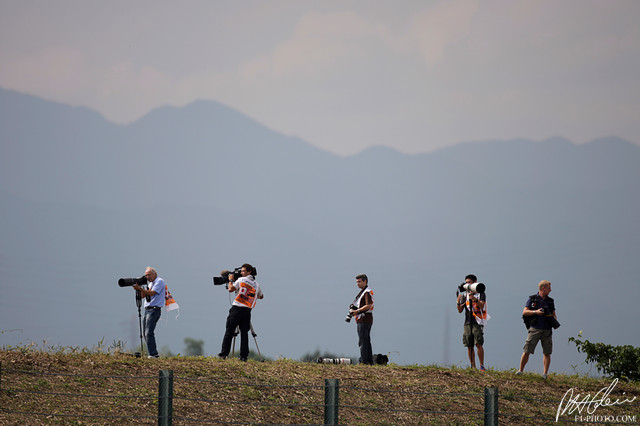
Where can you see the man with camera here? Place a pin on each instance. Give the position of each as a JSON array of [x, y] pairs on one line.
[[154, 301], [247, 292], [361, 308], [542, 309], [472, 300]]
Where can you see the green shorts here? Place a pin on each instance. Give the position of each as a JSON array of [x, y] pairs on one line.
[[542, 335], [472, 335]]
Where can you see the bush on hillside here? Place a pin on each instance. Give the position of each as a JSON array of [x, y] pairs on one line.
[[622, 362]]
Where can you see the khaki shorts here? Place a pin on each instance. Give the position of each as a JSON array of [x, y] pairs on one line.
[[535, 335], [472, 335]]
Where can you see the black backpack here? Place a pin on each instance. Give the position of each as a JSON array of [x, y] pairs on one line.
[[380, 359], [528, 319]]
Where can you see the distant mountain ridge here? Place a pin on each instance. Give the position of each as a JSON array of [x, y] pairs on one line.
[[203, 187]]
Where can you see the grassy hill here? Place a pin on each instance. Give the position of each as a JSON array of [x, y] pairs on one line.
[[39, 387]]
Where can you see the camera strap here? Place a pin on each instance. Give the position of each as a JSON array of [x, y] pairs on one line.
[[357, 299]]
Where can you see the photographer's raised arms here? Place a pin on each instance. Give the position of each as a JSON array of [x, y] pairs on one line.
[[155, 300], [473, 301], [247, 292]]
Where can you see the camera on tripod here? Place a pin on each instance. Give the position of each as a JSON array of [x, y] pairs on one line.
[[352, 307], [130, 282], [472, 288]]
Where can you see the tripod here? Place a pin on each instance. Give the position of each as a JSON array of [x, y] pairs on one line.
[[139, 305], [253, 333]]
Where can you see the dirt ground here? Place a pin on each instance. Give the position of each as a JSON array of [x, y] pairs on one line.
[[40, 387]]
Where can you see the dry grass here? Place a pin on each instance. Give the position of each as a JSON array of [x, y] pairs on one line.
[[107, 386]]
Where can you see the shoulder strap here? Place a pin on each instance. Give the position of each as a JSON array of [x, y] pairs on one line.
[[357, 299]]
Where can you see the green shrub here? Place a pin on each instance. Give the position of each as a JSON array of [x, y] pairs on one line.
[[622, 362]]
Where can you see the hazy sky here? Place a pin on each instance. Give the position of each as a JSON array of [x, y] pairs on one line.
[[343, 75]]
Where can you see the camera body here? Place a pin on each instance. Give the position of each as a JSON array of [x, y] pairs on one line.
[[224, 276], [548, 314], [352, 307], [128, 282], [472, 288]]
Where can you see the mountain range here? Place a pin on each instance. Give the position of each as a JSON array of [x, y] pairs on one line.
[[202, 188]]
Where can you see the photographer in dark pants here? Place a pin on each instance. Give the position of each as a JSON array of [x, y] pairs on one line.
[[475, 316], [247, 292], [543, 309], [361, 309], [154, 301]]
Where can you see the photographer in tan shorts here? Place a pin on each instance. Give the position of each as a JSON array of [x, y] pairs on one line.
[[541, 308]]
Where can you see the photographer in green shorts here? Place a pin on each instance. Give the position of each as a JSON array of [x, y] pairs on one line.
[[473, 305]]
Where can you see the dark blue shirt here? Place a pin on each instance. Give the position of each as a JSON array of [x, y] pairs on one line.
[[537, 302]]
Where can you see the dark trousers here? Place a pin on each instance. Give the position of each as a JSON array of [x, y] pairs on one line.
[[238, 317], [364, 341], [151, 317]]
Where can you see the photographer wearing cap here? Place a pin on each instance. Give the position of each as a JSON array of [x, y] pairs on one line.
[[475, 316], [247, 292], [540, 309], [154, 301], [361, 309]]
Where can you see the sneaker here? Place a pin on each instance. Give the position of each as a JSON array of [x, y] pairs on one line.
[[153, 356], [544, 376], [243, 359], [518, 373], [482, 368]]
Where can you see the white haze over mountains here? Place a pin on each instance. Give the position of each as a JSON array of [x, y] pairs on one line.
[[344, 75], [198, 189]]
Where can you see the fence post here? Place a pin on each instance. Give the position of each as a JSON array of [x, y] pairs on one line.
[[165, 398], [331, 387], [491, 406]]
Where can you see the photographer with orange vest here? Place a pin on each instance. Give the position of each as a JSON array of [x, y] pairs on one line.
[[474, 305], [247, 292]]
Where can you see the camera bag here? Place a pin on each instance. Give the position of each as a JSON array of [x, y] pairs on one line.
[[528, 319]]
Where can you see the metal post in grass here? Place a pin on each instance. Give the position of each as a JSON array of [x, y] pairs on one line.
[[491, 406], [165, 398], [331, 387]]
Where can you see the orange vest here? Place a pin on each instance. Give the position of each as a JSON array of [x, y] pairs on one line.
[[480, 315], [247, 294]]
